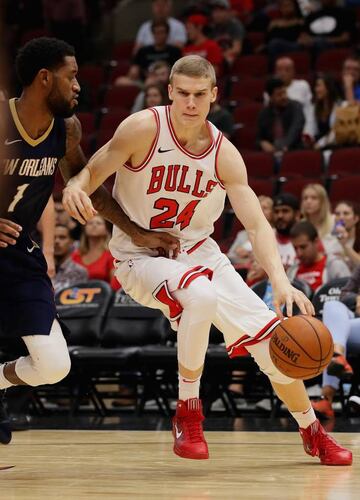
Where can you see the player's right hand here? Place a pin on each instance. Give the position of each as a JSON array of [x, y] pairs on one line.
[[9, 232], [78, 204], [164, 242]]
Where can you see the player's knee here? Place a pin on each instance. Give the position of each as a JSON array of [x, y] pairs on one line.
[[54, 367], [203, 294], [261, 354]]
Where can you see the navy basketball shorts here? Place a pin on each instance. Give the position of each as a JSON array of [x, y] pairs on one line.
[[27, 305]]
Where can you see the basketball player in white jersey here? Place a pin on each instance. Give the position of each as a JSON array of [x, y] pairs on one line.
[[174, 169]]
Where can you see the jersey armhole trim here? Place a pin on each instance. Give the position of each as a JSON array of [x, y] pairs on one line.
[[152, 147], [218, 145]]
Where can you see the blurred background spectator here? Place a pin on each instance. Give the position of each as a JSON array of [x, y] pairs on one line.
[[326, 100], [226, 29], [68, 272], [159, 73], [286, 212], [314, 266], [281, 122], [161, 11], [93, 252], [347, 231]]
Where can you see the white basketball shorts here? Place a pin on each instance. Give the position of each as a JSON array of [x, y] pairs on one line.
[[242, 316]]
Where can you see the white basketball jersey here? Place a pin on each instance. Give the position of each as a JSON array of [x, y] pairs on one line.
[[173, 190]]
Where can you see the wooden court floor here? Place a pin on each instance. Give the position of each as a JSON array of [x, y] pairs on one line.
[[100, 465]]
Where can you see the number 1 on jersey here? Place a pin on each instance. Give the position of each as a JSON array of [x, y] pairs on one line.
[[19, 194], [171, 208]]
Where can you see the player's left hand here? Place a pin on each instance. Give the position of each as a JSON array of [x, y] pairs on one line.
[[9, 232], [285, 293]]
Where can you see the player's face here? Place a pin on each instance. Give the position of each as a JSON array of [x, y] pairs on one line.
[[306, 250], [62, 99], [284, 218], [191, 99], [62, 242], [345, 213], [96, 228]]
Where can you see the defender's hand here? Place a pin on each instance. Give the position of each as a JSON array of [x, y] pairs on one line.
[[9, 232], [285, 293], [78, 204], [156, 240]]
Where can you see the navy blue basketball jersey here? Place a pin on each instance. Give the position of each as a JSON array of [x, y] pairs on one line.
[[27, 173]]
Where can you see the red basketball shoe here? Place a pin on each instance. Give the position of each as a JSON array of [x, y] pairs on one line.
[[187, 430], [318, 443]]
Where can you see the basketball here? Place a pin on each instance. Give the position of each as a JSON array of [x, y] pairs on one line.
[[301, 347]]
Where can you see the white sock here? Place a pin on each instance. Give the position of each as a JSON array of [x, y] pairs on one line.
[[304, 418], [4, 382], [188, 389]]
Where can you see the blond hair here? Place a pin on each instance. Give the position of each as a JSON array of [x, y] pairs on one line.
[[195, 67], [326, 221]]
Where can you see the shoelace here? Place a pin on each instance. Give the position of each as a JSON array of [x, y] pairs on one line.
[[331, 444], [195, 431]]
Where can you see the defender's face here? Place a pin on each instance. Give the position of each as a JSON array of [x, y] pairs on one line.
[[306, 250], [191, 99], [62, 99]]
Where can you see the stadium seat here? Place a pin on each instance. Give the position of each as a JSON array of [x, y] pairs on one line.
[[112, 119], [302, 62], [121, 97], [121, 69], [255, 65], [346, 188], [123, 50], [295, 186], [259, 164], [92, 76], [247, 113], [248, 89], [302, 164], [329, 291], [262, 186], [245, 138], [331, 60], [345, 161], [83, 307]]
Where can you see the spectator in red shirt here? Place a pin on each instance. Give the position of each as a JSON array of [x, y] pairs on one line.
[[93, 253], [313, 266], [200, 44]]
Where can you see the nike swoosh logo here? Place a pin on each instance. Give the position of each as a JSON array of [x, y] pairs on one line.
[[177, 432], [7, 142], [164, 150], [35, 245]]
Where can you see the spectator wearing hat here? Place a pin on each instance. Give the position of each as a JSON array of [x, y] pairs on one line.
[[286, 212], [228, 31], [200, 44], [161, 10], [313, 266], [281, 122]]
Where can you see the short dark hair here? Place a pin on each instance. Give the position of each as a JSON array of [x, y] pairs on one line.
[[39, 53], [156, 24], [304, 227], [272, 84]]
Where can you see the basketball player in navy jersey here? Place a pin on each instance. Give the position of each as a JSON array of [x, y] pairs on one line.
[[41, 134], [174, 169]]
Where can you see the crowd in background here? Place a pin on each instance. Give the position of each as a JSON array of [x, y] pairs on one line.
[[294, 110]]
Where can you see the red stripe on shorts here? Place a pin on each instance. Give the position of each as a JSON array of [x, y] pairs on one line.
[[238, 348]]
